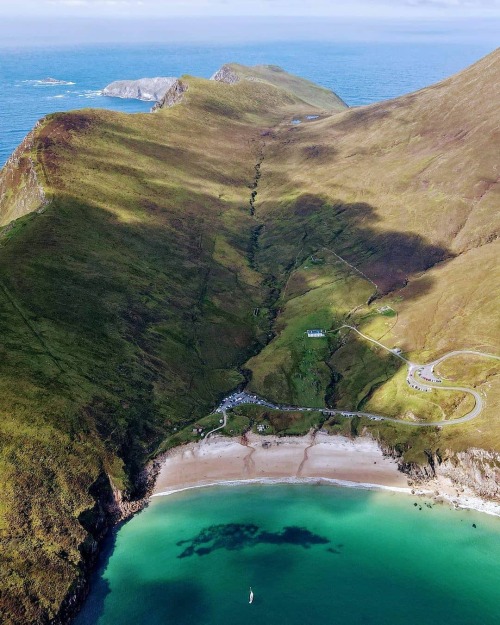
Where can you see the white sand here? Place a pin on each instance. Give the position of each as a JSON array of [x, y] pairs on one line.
[[336, 459], [359, 461]]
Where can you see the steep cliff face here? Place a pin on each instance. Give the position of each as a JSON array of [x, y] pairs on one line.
[[173, 96], [147, 89], [112, 505], [20, 189], [476, 469]]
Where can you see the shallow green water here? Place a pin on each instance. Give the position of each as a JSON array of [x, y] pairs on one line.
[[348, 556]]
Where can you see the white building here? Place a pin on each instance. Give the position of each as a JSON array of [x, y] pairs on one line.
[[315, 334]]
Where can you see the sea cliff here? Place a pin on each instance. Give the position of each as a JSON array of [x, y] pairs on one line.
[[21, 191], [147, 89]]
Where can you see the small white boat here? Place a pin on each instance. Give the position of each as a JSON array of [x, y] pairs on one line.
[[250, 600]]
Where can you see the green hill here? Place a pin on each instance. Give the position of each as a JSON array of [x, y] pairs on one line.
[[307, 91], [150, 263], [406, 192]]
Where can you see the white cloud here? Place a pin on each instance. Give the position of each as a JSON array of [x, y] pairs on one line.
[[97, 3]]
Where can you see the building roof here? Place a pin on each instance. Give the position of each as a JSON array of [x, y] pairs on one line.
[[315, 332]]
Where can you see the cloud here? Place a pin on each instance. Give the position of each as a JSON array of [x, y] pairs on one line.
[[91, 3]]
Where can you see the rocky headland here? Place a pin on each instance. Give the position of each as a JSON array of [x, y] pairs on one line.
[[147, 89]]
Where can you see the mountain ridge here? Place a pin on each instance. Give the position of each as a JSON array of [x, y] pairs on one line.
[[311, 93], [182, 254]]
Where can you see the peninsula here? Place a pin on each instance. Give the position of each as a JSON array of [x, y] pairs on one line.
[[252, 237]]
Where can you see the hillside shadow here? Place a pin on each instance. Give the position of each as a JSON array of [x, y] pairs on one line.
[[140, 314], [349, 230], [99, 586]]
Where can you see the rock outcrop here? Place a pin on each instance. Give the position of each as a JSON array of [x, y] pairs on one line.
[[147, 89], [226, 74], [111, 507], [476, 469], [54, 81], [20, 189], [173, 96]]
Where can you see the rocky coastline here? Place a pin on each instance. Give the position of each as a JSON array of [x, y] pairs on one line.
[[20, 172], [473, 476], [112, 507], [146, 89], [172, 96]]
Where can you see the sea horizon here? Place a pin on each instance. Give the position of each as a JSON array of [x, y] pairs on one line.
[[360, 73]]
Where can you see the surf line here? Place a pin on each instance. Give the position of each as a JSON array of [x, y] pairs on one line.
[[294, 480]]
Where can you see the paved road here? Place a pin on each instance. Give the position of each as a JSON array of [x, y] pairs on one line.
[[224, 422], [420, 376]]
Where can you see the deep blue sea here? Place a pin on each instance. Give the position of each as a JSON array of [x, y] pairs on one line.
[[359, 73]]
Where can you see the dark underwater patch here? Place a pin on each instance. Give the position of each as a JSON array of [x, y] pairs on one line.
[[235, 536]]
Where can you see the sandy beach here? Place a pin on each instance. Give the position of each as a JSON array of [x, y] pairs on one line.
[[339, 460]]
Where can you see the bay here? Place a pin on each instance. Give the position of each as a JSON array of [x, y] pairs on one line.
[[312, 554]]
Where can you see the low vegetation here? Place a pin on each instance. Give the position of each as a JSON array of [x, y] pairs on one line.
[[187, 252]]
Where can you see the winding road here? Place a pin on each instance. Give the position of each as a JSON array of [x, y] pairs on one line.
[[420, 377], [224, 423]]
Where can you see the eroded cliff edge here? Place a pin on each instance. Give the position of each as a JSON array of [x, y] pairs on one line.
[[21, 190]]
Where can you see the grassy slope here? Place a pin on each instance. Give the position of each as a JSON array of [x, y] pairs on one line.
[[126, 308], [309, 92], [404, 190]]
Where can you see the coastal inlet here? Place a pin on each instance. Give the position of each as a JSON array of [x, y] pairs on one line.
[[316, 554]]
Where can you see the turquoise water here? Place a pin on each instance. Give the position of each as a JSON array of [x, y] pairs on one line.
[[312, 554], [360, 73]]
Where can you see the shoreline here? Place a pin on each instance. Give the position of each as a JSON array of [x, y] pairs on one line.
[[291, 480], [312, 459]]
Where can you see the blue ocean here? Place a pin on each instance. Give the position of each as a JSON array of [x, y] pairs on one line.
[[359, 73]]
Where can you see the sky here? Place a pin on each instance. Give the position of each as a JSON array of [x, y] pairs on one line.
[[390, 9], [38, 22]]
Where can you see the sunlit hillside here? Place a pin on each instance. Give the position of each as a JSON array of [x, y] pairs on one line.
[[151, 263]]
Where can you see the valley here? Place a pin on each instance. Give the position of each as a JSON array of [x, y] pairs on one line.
[[151, 265]]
